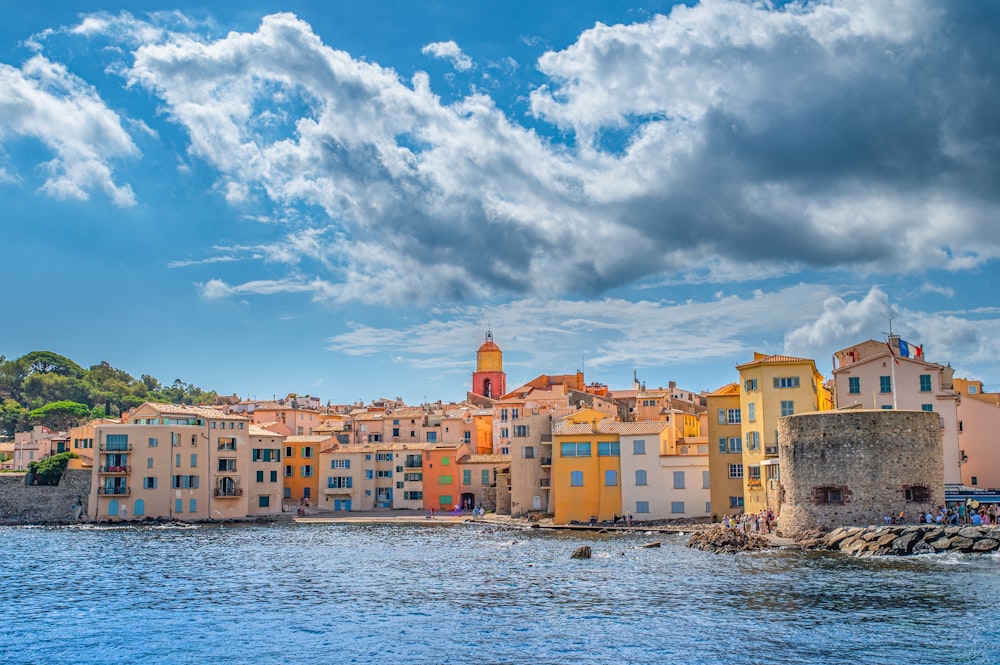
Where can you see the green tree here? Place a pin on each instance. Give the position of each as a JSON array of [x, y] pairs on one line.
[[13, 418], [60, 415], [46, 362], [48, 471]]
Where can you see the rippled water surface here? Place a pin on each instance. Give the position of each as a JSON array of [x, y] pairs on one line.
[[338, 593]]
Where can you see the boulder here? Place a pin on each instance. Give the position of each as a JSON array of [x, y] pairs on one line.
[[904, 543], [961, 544], [985, 545], [838, 536], [922, 547], [655, 543], [721, 540], [582, 552], [971, 532], [941, 544]]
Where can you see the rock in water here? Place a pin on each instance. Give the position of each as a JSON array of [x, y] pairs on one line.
[[582, 552], [655, 543], [721, 540]]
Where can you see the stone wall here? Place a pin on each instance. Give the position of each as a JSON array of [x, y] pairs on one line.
[[917, 539], [854, 467], [24, 504]]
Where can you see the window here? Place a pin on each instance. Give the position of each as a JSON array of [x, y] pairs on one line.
[[854, 385], [925, 383], [413, 477], [395, 432], [432, 437], [574, 449], [917, 494], [274, 476], [732, 444], [289, 471], [642, 506], [445, 480], [149, 483], [576, 479], [608, 449], [288, 451], [786, 382], [926, 407], [340, 482], [828, 495], [706, 480], [735, 502], [722, 416], [678, 480], [677, 507], [385, 473], [751, 412], [733, 416], [445, 461], [504, 433], [340, 464], [520, 430], [504, 415], [528, 452], [260, 475], [263, 501], [149, 462], [193, 506], [227, 464], [227, 443], [975, 480], [369, 474], [384, 457], [735, 470], [307, 452], [467, 477], [611, 478], [887, 407], [177, 460], [179, 506], [153, 442], [787, 407], [640, 478], [753, 440], [414, 495], [194, 460], [753, 473], [750, 384], [885, 384], [639, 447], [445, 500], [973, 390], [484, 476]]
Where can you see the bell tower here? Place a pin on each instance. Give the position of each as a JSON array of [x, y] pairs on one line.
[[489, 379]]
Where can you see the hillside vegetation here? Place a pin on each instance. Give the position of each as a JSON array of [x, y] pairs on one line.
[[44, 388]]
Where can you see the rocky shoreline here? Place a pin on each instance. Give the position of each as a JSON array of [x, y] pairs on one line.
[[858, 541]]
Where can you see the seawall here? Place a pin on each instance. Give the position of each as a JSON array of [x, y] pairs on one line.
[[33, 504]]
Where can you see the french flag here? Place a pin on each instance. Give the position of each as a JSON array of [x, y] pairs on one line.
[[904, 350]]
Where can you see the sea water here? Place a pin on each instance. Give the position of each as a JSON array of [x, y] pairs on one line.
[[474, 593]]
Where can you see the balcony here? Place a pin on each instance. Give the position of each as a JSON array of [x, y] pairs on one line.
[[545, 438], [545, 461], [413, 465], [228, 492], [115, 470], [753, 483], [329, 491], [115, 491], [115, 447], [770, 450]]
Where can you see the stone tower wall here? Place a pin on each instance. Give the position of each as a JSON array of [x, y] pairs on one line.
[[854, 467]]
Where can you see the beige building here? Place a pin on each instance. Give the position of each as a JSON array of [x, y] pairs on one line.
[[978, 439], [171, 461]]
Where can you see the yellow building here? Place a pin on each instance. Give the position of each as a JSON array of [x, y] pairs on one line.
[[586, 467], [771, 387], [725, 452]]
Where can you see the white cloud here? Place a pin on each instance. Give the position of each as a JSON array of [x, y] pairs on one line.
[[43, 101], [726, 138], [449, 51]]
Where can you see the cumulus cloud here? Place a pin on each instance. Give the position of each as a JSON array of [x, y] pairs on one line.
[[449, 51], [43, 101], [725, 135]]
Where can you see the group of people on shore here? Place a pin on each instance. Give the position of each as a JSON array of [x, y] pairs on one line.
[[747, 523], [972, 513]]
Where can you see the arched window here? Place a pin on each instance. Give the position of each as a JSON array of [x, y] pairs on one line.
[[139, 509], [640, 477], [113, 507]]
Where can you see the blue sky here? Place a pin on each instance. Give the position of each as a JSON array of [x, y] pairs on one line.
[[339, 198]]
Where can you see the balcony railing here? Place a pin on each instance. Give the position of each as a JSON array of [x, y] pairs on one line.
[[228, 493], [116, 469], [545, 461], [117, 491], [115, 447], [770, 450], [753, 483], [413, 465]]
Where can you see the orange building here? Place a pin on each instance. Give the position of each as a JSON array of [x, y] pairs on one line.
[[301, 467]]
